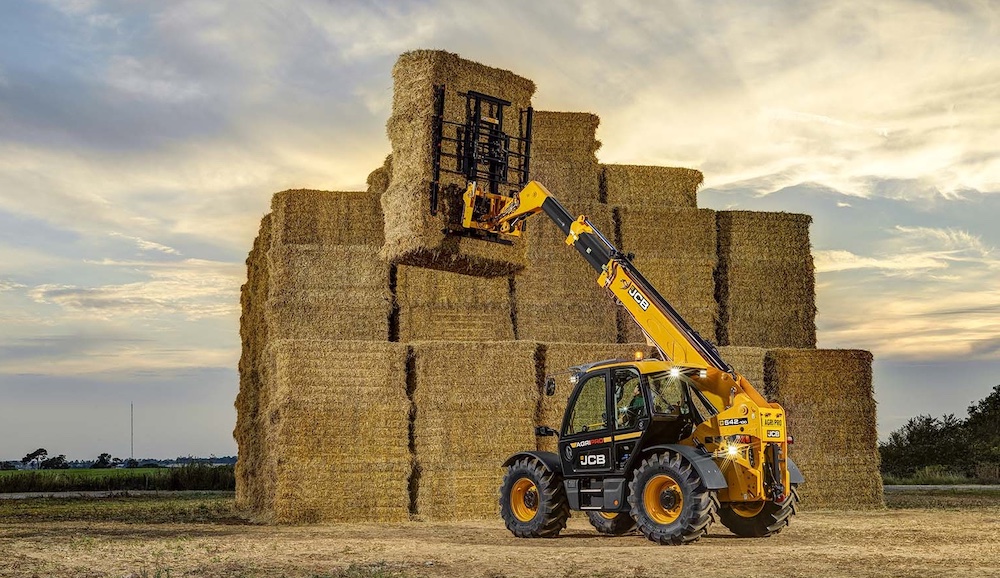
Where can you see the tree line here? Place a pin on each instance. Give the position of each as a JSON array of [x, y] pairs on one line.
[[967, 447]]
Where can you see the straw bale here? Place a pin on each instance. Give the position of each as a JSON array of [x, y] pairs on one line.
[[253, 337], [438, 305], [748, 362], [828, 396], [469, 418], [651, 185], [412, 235], [338, 432], [328, 292], [557, 297], [562, 155], [378, 180], [327, 217], [558, 358], [765, 281], [675, 249]]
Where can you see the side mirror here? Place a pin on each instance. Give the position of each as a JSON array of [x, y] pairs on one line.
[[550, 386], [544, 431]]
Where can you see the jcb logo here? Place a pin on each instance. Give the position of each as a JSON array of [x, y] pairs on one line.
[[642, 301], [592, 460]]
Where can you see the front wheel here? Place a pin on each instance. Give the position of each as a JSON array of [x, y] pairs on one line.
[[611, 523], [533, 501], [762, 519], [670, 503]]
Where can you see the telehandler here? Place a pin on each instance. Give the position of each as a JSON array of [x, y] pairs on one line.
[[663, 445]]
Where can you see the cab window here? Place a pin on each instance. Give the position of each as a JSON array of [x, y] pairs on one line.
[[630, 404], [668, 395], [589, 412]]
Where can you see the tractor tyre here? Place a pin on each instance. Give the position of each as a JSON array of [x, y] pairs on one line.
[[760, 521], [670, 503], [611, 523], [533, 501]]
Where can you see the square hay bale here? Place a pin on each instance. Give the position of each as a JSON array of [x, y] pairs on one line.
[[442, 306], [562, 155], [253, 337], [765, 282], [828, 396], [748, 362], [307, 217], [557, 297], [650, 185], [378, 180], [469, 418], [337, 428], [558, 358], [328, 292], [412, 235], [675, 249]]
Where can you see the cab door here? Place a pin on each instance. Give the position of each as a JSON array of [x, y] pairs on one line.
[[631, 415], [585, 444]]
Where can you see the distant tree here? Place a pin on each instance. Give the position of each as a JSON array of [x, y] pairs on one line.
[[103, 462], [35, 457], [131, 463], [926, 441], [7, 466], [57, 463], [983, 428]]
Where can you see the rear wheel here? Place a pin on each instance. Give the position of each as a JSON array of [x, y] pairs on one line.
[[760, 519], [611, 523], [532, 500], [670, 503]]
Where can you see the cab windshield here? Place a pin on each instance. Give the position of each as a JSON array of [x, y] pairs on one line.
[[677, 397]]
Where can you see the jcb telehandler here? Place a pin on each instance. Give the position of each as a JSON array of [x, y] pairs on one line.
[[666, 445]]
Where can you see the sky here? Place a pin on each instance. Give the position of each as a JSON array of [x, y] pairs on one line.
[[140, 143]]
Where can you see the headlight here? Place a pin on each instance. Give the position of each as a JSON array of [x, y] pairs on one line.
[[733, 451], [675, 372]]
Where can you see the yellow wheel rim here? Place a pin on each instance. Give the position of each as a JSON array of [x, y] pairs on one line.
[[524, 499], [663, 499], [608, 515], [747, 509]]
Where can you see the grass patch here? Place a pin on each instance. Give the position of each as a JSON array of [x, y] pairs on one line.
[[188, 508], [380, 570], [189, 477], [929, 476], [947, 499]]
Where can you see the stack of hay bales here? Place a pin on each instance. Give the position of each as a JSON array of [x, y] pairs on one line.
[[412, 235], [387, 375], [765, 280], [827, 394]]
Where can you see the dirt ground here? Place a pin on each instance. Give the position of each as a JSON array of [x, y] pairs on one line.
[[894, 542]]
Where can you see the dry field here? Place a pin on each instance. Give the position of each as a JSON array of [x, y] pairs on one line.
[[921, 534]]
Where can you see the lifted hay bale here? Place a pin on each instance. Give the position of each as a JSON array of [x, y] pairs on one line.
[[675, 248], [469, 418], [650, 185], [337, 431], [443, 306], [828, 396], [378, 180], [562, 155], [328, 292], [412, 235], [558, 358], [307, 217], [557, 297], [765, 282]]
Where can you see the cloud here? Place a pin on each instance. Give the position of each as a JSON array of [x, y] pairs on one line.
[[9, 285], [148, 245]]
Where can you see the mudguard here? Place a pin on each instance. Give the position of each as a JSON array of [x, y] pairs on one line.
[[549, 460], [703, 463], [794, 473]]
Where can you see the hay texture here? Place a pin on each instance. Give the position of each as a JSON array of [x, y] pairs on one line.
[[650, 186], [253, 337], [558, 358], [470, 416], [412, 235], [562, 155], [328, 292], [557, 297], [310, 217], [748, 362], [675, 249], [765, 282], [337, 433], [442, 306], [827, 394]]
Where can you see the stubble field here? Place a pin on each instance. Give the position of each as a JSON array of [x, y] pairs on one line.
[[921, 533]]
